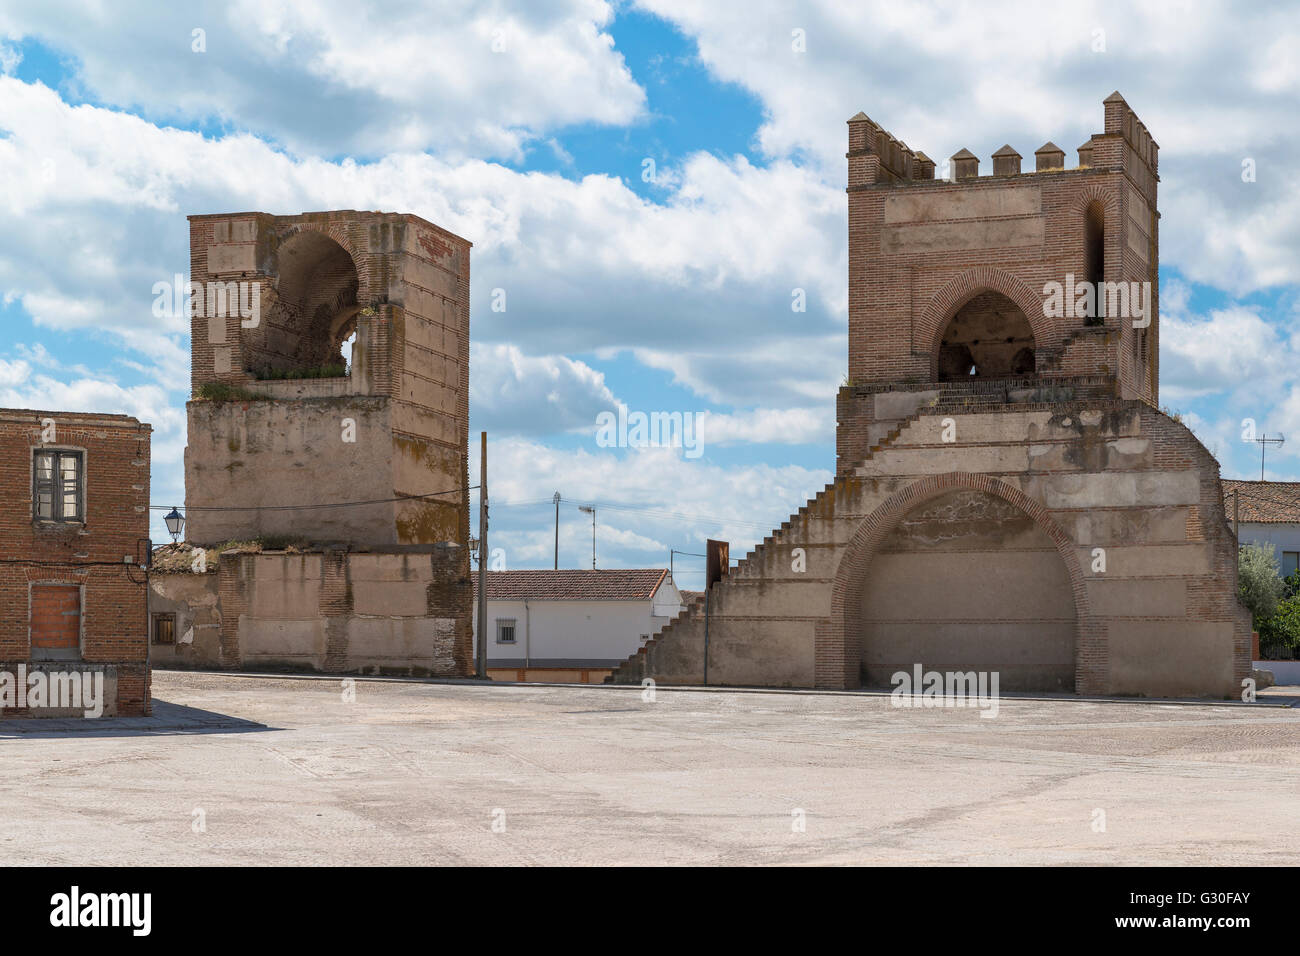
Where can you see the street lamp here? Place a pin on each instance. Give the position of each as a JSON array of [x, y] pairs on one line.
[[591, 511], [175, 525]]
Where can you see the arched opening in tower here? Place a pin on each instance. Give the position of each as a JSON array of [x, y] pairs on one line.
[[988, 337], [312, 312]]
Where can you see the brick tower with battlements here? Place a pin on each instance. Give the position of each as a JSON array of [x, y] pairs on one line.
[[1008, 499]]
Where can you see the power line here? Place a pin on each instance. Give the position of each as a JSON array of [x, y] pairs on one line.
[[635, 509], [320, 507]]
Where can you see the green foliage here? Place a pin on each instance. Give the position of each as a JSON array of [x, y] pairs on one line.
[[221, 392], [1279, 635], [334, 370], [1258, 582]]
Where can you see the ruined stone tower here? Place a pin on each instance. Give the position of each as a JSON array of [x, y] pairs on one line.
[[1008, 496], [393, 426], [362, 467]]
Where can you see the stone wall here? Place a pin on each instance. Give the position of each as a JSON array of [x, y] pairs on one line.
[[397, 612], [835, 596]]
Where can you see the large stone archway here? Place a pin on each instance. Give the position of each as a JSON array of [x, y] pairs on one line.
[[838, 649]]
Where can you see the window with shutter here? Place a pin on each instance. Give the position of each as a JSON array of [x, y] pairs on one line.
[[58, 486]]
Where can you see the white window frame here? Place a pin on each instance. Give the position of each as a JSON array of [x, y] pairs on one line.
[[512, 623]]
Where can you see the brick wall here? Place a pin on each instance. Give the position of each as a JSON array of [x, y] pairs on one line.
[[920, 248], [86, 556]]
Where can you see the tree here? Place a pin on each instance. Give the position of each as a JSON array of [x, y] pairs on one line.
[[1279, 635], [1259, 583]]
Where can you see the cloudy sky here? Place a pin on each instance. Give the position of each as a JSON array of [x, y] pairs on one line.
[[649, 181]]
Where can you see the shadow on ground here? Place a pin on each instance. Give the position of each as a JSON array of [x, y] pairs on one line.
[[167, 719]]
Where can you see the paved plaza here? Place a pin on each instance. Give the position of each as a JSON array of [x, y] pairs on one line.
[[249, 770]]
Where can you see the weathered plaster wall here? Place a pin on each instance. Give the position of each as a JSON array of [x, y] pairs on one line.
[[1160, 620], [267, 454], [968, 581], [393, 613]]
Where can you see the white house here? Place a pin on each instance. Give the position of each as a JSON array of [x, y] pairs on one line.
[[572, 626], [1268, 513]]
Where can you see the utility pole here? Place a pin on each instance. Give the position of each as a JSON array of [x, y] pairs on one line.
[[1236, 516], [672, 554], [480, 652], [557, 531], [1264, 442], [591, 511]]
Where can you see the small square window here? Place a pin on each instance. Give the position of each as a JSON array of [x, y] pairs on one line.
[[505, 630], [58, 486], [164, 628]]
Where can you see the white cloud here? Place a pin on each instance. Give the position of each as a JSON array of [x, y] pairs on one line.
[[1229, 350], [1233, 364], [10, 57], [517, 394], [679, 502], [336, 76], [1214, 85], [786, 426], [587, 265]]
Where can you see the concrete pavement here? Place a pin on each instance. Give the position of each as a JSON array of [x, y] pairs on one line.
[[435, 773]]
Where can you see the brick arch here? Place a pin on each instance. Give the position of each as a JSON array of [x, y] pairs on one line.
[[336, 231], [838, 653], [960, 289], [1086, 196]]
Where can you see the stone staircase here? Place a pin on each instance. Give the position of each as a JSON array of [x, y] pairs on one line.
[[634, 668]]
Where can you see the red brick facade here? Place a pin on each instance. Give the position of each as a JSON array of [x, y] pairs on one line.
[[70, 582]]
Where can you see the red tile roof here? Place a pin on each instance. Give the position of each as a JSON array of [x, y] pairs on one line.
[[1264, 502], [629, 584]]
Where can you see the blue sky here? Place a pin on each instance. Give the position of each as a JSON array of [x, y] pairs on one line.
[[527, 128]]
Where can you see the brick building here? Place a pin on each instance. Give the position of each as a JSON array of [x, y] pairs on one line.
[[74, 531], [1008, 495], [359, 467]]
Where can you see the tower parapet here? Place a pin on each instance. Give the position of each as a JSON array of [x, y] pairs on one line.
[[954, 277]]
